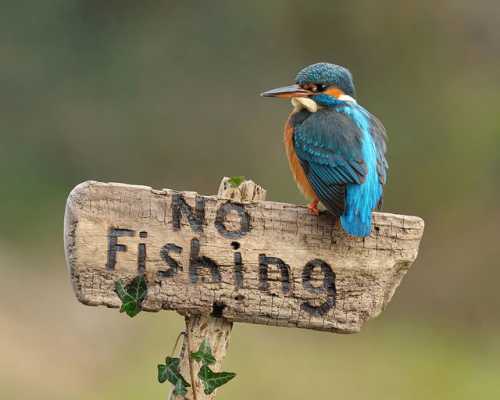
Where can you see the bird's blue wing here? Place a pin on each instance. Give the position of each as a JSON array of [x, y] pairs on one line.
[[328, 145]]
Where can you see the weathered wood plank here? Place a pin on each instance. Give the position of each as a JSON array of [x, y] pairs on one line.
[[259, 262]]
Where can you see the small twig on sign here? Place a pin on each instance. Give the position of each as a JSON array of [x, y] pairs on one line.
[[182, 333], [189, 349]]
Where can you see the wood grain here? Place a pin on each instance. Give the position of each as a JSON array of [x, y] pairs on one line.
[[259, 262]]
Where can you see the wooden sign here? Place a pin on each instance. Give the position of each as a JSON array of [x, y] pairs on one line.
[[259, 262]]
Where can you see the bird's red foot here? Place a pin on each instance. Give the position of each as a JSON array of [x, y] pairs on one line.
[[313, 207]]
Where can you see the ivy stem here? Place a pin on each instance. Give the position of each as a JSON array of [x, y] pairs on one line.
[[177, 342], [191, 370]]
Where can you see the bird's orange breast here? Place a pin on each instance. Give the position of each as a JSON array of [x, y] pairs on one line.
[[294, 163]]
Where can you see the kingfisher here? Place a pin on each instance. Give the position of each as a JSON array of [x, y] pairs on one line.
[[335, 148]]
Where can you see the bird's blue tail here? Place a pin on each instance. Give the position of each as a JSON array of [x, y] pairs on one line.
[[356, 224]]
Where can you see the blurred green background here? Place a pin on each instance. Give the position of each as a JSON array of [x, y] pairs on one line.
[[165, 93]]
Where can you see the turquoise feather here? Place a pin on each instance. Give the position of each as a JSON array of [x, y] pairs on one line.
[[342, 150]]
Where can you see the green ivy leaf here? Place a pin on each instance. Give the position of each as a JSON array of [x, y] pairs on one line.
[[180, 388], [170, 372], [132, 295], [236, 181], [212, 380], [204, 353], [162, 373]]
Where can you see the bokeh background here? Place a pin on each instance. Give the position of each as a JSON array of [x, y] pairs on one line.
[[165, 93]]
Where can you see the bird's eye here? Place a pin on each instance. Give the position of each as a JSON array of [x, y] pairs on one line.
[[314, 87]]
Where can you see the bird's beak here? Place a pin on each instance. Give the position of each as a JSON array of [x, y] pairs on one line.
[[287, 92]]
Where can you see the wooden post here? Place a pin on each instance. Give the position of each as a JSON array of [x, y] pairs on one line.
[[216, 329], [233, 258]]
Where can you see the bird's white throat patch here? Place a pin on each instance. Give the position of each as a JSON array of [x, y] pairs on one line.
[[299, 103]]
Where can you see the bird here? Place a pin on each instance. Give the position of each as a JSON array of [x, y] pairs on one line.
[[336, 149]]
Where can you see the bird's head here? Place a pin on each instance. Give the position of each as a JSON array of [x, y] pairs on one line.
[[316, 81]]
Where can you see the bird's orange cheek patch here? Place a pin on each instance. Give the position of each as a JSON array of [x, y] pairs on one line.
[[334, 92]]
